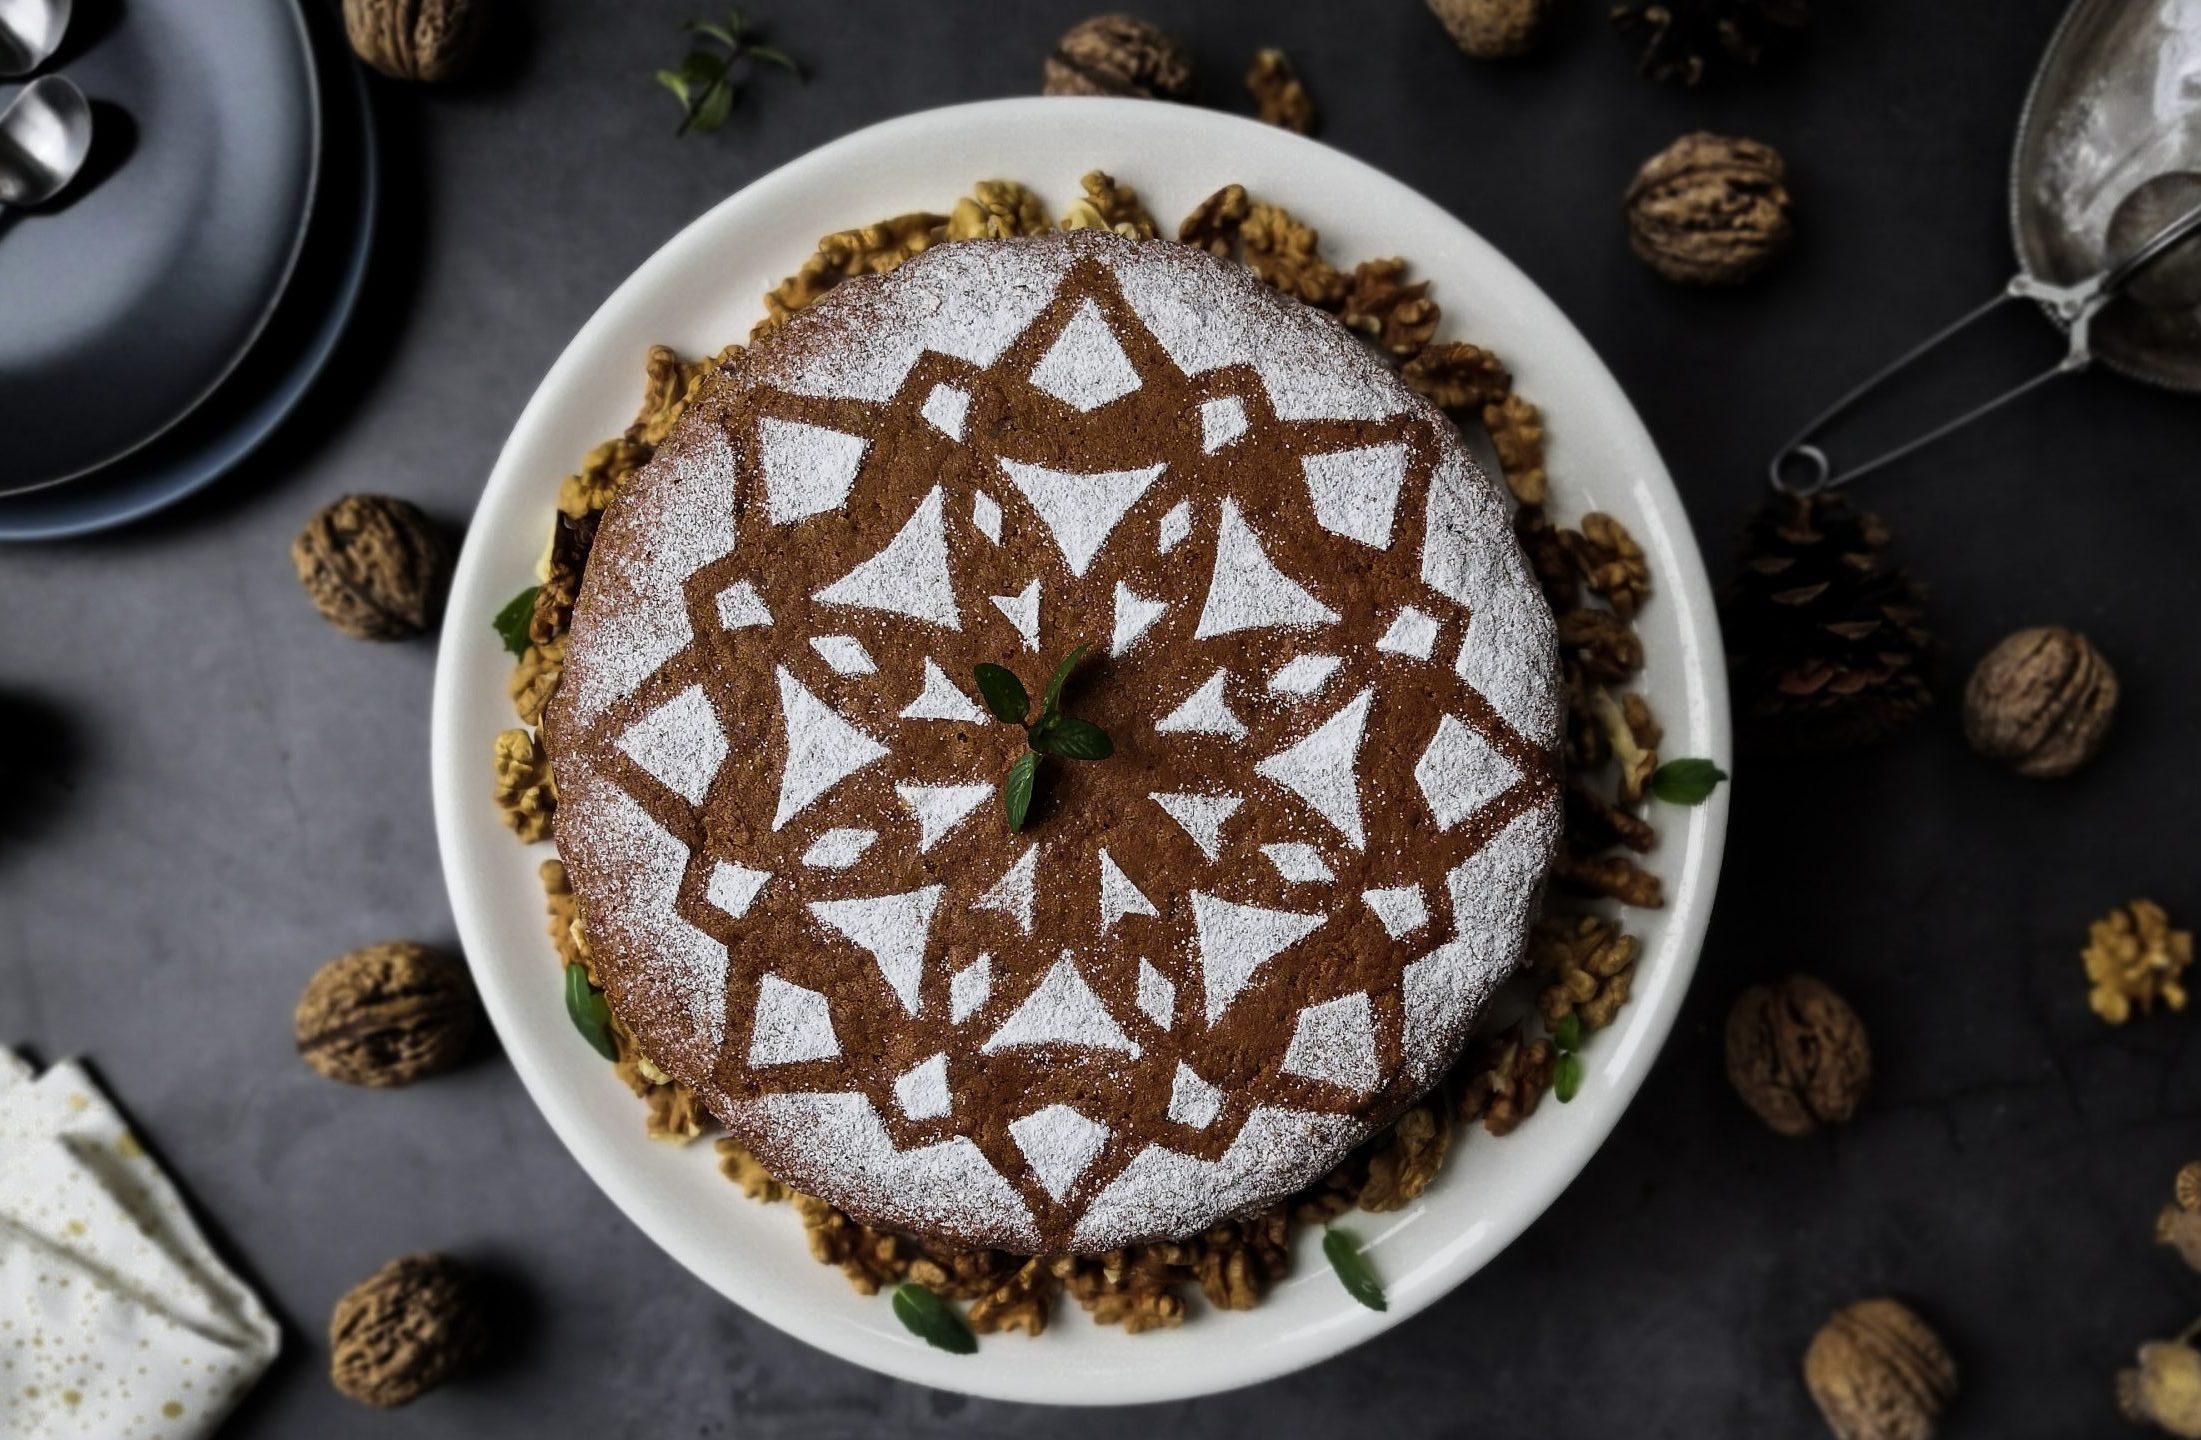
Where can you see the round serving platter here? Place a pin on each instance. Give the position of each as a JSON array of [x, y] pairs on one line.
[[703, 289]]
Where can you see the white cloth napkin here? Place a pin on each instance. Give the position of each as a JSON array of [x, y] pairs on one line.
[[117, 1322]]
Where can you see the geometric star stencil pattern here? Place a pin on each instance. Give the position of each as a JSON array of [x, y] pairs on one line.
[[1267, 568]]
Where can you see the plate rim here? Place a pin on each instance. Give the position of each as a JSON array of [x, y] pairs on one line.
[[466, 645], [315, 138]]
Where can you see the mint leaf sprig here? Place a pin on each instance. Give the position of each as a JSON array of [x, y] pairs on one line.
[[1342, 1249], [1686, 782], [1052, 733], [705, 84], [512, 621]]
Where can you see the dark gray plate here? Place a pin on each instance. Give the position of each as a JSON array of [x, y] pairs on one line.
[[125, 303]]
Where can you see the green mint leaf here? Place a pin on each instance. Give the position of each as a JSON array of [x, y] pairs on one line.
[[711, 111], [1686, 782], [1567, 1034], [591, 1016], [932, 1319], [726, 35], [1052, 706], [1566, 1078], [781, 58], [1073, 739], [672, 80], [1004, 693], [512, 621], [1016, 792], [1353, 1269]]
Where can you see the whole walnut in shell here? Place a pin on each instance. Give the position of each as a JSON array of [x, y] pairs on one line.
[[1119, 55], [374, 566], [2041, 702], [431, 40], [1493, 29], [1878, 1372], [413, 1325], [386, 1015], [1710, 210], [1797, 1054]]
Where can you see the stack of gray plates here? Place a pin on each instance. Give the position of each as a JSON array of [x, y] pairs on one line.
[[161, 317]]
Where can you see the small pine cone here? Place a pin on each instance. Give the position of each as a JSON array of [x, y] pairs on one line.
[[1826, 640]]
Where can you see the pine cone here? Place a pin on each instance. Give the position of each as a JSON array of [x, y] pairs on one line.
[[1683, 40], [1824, 637]]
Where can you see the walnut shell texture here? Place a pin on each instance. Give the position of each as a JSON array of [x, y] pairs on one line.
[[2041, 702], [1493, 29], [427, 40], [386, 1015], [415, 1324], [1710, 210], [374, 566], [1878, 1372], [1119, 55], [1797, 1054]]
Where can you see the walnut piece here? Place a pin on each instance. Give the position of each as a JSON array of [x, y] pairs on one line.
[[871, 1259], [997, 210], [431, 40], [2041, 702], [1216, 222], [413, 1325], [845, 254], [1118, 55], [1025, 1301], [1615, 877], [535, 679], [1134, 1289], [1503, 1078], [1592, 964], [1106, 205], [1710, 210], [374, 566], [386, 1015], [2186, 1187], [1493, 29], [756, 1182], [1878, 1372], [1604, 645], [1399, 317], [1404, 1160], [1278, 94], [2134, 957], [524, 792], [1797, 1054], [1611, 562], [1517, 434], [2164, 1390], [1285, 252], [1624, 739], [1457, 376]]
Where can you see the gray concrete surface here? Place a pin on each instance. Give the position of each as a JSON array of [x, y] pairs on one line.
[[212, 793]]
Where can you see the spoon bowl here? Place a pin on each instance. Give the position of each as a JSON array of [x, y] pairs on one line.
[[30, 32], [45, 133]]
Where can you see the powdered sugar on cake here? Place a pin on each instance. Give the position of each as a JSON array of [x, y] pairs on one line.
[[1228, 953]]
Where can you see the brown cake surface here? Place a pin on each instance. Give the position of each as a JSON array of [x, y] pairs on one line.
[[1211, 963]]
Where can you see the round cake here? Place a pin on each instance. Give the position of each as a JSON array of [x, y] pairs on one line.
[[1207, 965]]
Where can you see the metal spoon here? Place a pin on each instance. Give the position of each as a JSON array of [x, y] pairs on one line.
[[30, 31], [44, 136]]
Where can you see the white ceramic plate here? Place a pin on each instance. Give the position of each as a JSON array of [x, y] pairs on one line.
[[702, 290]]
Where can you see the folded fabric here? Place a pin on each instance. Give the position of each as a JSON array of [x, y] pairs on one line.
[[117, 1322]]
